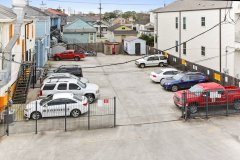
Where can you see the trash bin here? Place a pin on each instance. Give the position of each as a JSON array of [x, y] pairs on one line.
[[9, 118]]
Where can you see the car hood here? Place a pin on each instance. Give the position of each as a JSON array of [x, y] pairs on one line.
[[32, 105], [83, 80], [140, 60], [92, 87]]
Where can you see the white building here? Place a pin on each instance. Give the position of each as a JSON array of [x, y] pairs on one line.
[[183, 19], [134, 46]]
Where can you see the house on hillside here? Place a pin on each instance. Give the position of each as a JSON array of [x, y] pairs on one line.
[[79, 31], [17, 40], [118, 33], [181, 20], [42, 34]]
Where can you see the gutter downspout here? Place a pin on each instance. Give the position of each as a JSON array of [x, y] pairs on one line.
[[180, 34], [7, 53], [25, 47], [220, 41]]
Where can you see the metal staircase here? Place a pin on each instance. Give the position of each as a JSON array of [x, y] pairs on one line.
[[23, 84]]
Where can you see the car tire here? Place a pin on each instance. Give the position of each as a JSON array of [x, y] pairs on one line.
[[236, 105], [90, 97], [76, 58], [36, 115], [75, 113], [174, 88], [142, 65], [161, 80], [161, 64], [193, 108], [57, 58]]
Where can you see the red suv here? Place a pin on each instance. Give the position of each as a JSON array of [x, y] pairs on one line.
[[69, 54]]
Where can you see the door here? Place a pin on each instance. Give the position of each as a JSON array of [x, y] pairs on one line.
[[75, 89], [137, 48], [54, 108], [184, 84]]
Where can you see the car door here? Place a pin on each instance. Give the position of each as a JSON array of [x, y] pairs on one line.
[[64, 54], [195, 79], [156, 61], [184, 84], [149, 61], [62, 87], [75, 89], [53, 108], [217, 97], [70, 105], [70, 54], [168, 74]]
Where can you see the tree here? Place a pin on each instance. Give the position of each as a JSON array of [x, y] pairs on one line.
[[148, 38]]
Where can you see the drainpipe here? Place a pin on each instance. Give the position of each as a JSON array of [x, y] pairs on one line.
[[18, 9]]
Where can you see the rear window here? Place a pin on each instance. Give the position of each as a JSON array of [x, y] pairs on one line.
[[49, 86]]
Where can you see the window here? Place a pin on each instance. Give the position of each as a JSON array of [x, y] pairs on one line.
[[185, 78], [55, 102], [184, 23], [156, 58], [203, 51], [49, 86], [91, 36], [150, 58], [68, 101], [184, 48], [168, 73], [123, 28], [176, 44], [203, 21], [162, 58], [176, 22], [73, 86], [62, 86]]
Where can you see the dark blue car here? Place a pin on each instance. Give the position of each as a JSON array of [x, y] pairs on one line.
[[184, 80]]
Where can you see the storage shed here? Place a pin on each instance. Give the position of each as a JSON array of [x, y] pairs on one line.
[[134, 46]]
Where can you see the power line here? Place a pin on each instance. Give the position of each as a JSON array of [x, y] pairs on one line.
[[95, 3]]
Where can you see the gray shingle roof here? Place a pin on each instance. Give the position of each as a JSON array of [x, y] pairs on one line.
[[189, 5], [126, 32], [6, 13], [34, 11], [112, 28]]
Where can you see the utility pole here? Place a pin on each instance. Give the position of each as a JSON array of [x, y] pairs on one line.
[[100, 9], [43, 6]]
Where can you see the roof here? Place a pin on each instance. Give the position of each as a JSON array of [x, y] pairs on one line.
[[34, 12], [210, 85], [125, 32], [79, 26], [191, 5], [6, 13], [56, 12], [132, 38], [112, 28]]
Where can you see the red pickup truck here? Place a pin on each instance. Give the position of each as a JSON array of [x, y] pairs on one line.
[[69, 54], [211, 94]]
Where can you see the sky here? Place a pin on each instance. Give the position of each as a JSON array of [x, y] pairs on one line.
[[87, 6]]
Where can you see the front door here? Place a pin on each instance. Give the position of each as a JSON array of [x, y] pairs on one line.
[[137, 48]]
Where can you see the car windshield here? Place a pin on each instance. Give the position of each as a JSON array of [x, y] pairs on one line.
[[178, 76], [83, 85], [45, 100], [196, 90]]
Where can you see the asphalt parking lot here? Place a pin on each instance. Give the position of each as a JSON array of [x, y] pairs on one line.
[[149, 125]]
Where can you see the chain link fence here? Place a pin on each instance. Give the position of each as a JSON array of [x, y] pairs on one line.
[[35, 117]]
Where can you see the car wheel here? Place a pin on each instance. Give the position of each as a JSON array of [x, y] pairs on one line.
[[142, 65], [161, 80], [90, 98], [76, 58], [161, 65], [236, 105], [57, 58], [193, 108], [75, 113], [36, 115], [174, 88]]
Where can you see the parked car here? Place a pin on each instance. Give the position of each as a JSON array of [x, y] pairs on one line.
[[161, 74], [183, 81], [69, 54], [217, 95], [65, 75], [67, 85], [54, 106], [72, 69], [90, 53], [153, 60]]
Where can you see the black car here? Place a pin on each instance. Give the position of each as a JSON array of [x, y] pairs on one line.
[[72, 69]]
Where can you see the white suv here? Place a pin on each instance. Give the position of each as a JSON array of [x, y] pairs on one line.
[[154, 60], [91, 91], [55, 105]]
